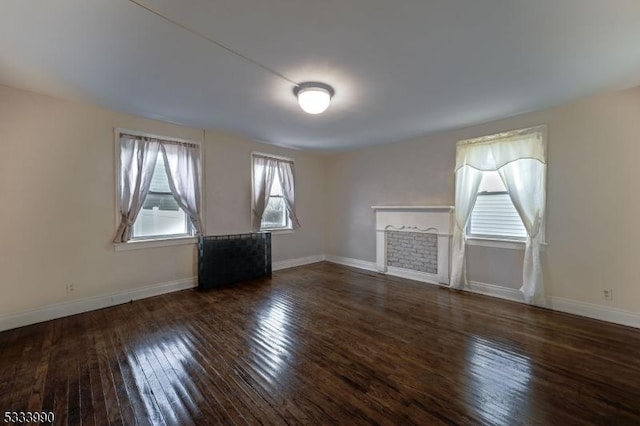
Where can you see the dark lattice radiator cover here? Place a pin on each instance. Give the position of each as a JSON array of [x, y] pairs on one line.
[[228, 259]]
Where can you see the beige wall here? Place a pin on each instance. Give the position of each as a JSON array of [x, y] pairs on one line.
[[593, 198], [57, 214], [228, 198], [57, 194]]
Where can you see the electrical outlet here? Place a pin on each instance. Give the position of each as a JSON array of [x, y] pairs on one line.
[[69, 288], [607, 294]]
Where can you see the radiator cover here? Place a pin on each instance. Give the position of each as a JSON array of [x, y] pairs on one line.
[[228, 259]]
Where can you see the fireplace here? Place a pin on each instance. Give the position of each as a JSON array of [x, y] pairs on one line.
[[413, 242]]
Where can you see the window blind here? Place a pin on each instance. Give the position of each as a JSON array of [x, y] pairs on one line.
[[495, 216]]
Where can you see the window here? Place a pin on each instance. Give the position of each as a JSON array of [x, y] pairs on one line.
[[275, 214], [493, 175], [494, 215], [161, 215], [273, 193], [158, 189]]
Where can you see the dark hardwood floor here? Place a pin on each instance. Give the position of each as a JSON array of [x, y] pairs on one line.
[[323, 344]]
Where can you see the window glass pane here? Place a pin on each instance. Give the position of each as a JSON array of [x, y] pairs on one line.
[[155, 221], [491, 182], [162, 201], [275, 214], [276, 188], [160, 214], [160, 180]]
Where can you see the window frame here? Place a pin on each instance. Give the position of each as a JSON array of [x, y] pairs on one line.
[[278, 230], [155, 240], [500, 241]]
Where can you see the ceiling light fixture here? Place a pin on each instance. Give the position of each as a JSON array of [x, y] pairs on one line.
[[313, 97]]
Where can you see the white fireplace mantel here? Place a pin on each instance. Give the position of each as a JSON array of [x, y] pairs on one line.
[[422, 219], [419, 208]]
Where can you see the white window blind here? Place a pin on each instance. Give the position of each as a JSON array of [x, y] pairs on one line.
[[494, 215]]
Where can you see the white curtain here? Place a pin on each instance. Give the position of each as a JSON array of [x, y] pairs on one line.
[[520, 159], [287, 179], [137, 162], [264, 171], [182, 163], [467, 182], [525, 182]]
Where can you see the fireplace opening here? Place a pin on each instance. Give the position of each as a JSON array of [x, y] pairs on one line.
[[413, 250]]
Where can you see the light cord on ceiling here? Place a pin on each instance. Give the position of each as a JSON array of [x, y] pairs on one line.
[[210, 40]]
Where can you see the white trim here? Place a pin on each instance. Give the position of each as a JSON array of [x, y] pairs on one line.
[[507, 293], [279, 231], [74, 307], [496, 242], [156, 242], [354, 263], [414, 229], [292, 263], [427, 208], [560, 304], [591, 310], [424, 277], [501, 243]]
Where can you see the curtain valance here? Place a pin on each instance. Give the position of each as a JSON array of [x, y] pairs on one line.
[[493, 152]]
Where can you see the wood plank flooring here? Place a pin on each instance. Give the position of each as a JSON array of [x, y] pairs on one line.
[[323, 344]]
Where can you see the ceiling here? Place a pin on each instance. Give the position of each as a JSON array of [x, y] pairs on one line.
[[400, 69]]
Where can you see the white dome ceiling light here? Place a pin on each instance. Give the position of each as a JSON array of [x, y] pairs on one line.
[[313, 97]]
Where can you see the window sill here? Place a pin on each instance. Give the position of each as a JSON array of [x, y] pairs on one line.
[[499, 243], [278, 231], [151, 243], [496, 242]]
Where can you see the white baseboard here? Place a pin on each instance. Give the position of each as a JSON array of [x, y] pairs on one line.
[[355, 263], [292, 263], [415, 275], [74, 307], [500, 292], [569, 306], [590, 310]]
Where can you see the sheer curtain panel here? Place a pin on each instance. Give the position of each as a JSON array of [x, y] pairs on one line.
[[525, 181], [137, 160], [264, 171], [286, 175], [467, 182], [182, 163]]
